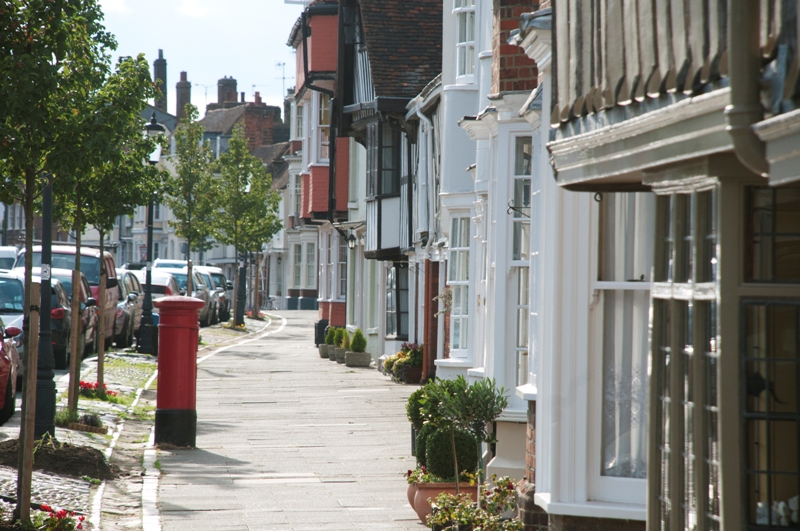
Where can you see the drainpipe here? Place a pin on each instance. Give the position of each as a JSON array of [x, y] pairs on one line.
[[423, 217], [744, 60]]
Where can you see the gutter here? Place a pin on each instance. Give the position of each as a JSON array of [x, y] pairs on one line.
[[744, 53], [428, 160]]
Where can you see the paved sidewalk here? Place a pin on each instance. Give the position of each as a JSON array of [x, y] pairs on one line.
[[290, 441]]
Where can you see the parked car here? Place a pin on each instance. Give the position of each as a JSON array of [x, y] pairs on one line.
[[129, 308], [163, 263], [89, 312], [11, 304], [60, 322], [63, 257], [224, 287], [8, 255], [162, 284], [200, 291], [209, 282]]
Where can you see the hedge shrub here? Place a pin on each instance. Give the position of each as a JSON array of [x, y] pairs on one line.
[[439, 452]]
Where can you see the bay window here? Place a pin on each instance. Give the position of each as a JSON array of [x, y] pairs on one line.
[[458, 281], [329, 282], [397, 301], [311, 266], [464, 11], [297, 264], [298, 131], [383, 159], [323, 127], [342, 268], [520, 251]]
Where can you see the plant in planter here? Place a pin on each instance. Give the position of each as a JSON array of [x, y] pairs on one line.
[[410, 363], [343, 345], [357, 357], [495, 513], [472, 407], [327, 347], [333, 350]]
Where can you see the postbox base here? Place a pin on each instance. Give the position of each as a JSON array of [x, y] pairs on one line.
[[176, 426]]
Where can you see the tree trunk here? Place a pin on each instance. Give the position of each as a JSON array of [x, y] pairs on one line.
[[74, 362], [102, 294], [257, 290], [189, 279]]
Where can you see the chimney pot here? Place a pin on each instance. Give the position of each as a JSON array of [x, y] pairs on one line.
[[258, 97]]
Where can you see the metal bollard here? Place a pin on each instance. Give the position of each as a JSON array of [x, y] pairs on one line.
[[176, 414]]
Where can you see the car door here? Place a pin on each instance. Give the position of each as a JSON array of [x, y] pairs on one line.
[[135, 287]]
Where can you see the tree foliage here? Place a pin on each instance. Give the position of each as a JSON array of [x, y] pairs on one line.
[[188, 188], [246, 214]]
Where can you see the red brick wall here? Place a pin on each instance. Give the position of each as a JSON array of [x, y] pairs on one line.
[[533, 517], [259, 120], [334, 312], [322, 45], [342, 172], [318, 189], [511, 68]]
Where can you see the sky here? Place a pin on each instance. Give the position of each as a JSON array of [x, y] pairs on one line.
[[210, 39]]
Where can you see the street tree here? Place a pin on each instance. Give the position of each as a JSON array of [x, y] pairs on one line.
[[247, 209], [119, 180], [55, 54], [188, 188]]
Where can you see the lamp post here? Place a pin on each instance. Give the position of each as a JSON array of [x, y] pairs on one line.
[[147, 343], [45, 383]]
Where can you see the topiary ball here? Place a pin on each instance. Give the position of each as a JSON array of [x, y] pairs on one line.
[[439, 452], [421, 443]]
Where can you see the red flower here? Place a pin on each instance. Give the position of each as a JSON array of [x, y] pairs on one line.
[[46, 508]]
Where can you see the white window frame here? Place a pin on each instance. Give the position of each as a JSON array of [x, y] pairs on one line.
[[520, 259], [458, 263], [322, 146], [298, 121], [341, 270], [329, 280], [610, 488], [464, 11], [297, 265], [310, 257], [297, 195]]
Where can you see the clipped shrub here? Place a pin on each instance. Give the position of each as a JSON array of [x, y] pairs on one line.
[[399, 366], [330, 335], [421, 444], [359, 342], [439, 452], [338, 337], [345, 339], [414, 408]]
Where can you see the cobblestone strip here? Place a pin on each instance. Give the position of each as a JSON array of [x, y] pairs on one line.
[[66, 493]]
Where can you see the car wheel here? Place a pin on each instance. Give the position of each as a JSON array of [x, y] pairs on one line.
[[7, 410], [119, 338], [214, 316], [129, 336]]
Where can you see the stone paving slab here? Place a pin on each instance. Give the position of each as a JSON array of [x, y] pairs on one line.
[[295, 441]]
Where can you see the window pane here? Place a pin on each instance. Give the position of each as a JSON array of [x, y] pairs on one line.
[[522, 198], [463, 237], [625, 317], [626, 248], [774, 226], [521, 249], [523, 149]]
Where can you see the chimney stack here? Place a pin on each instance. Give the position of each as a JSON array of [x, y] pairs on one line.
[[226, 90], [160, 78], [258, 98], [183, 95], [242, 100]]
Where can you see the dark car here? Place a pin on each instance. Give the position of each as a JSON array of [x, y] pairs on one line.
[[11, 304], [129, 308], [60, 322], [89, 312], [224, 288], [162, 285]]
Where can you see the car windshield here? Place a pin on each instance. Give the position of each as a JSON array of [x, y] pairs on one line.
[[181, 279], [11, 295], [66, 281], [169, 265], [7, 262], [90, 265], [219, 280]]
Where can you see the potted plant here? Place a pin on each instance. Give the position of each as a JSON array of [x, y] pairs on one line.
[[357, 357], [323, 348], [344, 346], [496, 512], [337, 340]]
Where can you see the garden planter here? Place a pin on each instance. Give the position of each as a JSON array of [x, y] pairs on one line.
[[323, 351], [332, 353], [340, 355], [357, 359], [412, 374], [427, 491], [411, 492]]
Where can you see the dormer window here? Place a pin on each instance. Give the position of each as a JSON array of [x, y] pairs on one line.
[[465, 45], [324, 127]]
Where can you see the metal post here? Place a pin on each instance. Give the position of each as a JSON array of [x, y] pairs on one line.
[[146, 329], [45, 383], [241, 291]]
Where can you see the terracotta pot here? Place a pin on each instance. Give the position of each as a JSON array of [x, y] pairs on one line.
[[411, 492], [323, 350], [427, 491], [412, 374]]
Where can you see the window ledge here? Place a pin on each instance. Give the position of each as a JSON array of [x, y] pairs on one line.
[[352, 205], [591, 509], [454, 363], [527, 392], [319, 164], [478, 373], [372, 331]]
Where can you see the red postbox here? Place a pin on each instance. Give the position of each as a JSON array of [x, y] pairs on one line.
[[178, 330]]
